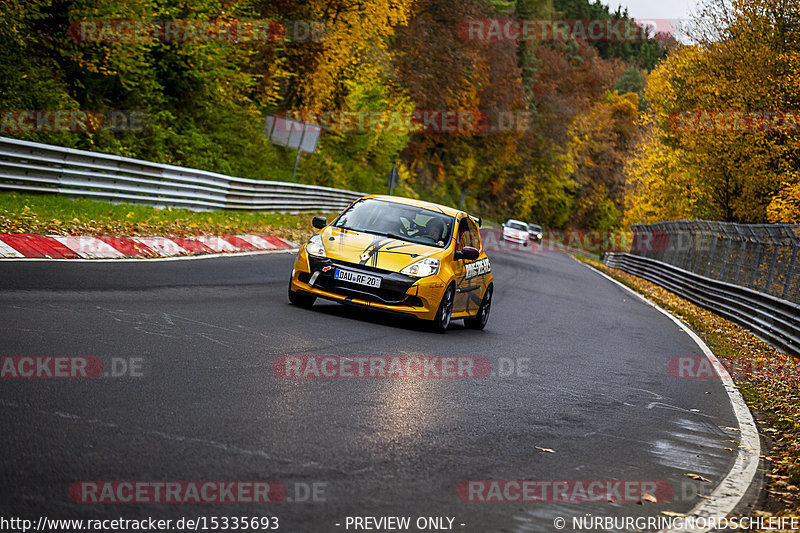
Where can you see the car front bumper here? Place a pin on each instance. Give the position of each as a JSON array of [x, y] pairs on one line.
[[416, 297], [514, 238]]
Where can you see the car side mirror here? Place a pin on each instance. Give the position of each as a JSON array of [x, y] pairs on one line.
[[468, 252], [319, 222]]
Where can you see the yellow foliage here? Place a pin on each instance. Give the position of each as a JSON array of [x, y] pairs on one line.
[[748, 62], [785, 206], [354, 35]]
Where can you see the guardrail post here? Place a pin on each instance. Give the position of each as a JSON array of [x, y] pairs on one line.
[[739, 263], [646, 243], [657, 241], [724, 267], [686, 264], [771, 268], [669, 250], [711, 255], [742, 250], [686, 260], [636, 242], [789, 273], [699, 253], [754, 271]]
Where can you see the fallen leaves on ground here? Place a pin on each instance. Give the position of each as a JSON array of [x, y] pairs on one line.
[[167, 223], [698, 477]]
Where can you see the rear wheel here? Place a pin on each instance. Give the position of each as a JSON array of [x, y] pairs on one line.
[[442, 319], [479, 320], [306, 301]]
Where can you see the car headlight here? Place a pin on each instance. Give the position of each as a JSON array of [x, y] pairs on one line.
[[539, 235], [314, 246], [422, 268]]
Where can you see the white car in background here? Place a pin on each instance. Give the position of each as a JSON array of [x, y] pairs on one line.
[[516, 231], [536, 233]]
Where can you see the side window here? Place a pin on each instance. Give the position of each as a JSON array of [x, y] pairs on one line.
[[463, 237], [474, 234]]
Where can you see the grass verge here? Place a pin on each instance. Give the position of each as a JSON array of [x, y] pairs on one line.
[[49, 214], [768, 380]]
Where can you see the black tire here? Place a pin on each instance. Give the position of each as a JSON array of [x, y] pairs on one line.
[[306, 301], [442, 319], [479, 321]]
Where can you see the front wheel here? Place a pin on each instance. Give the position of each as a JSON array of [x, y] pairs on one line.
[[306, 301], [442, 319], [479, 321]]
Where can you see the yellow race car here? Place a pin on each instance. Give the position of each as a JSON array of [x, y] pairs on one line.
[[398, 255]]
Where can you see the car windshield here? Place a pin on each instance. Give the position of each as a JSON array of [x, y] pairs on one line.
[[399, 221], [517, 225], [534, 227]]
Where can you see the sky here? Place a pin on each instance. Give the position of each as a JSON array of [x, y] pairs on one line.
[[652, 9], [658, 10]]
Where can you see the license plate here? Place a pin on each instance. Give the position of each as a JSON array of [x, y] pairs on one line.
[[355, 277]]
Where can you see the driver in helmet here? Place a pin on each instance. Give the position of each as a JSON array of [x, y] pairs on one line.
[[435, 230]]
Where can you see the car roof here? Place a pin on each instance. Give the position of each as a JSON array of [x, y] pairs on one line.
[[417, 203], [517, 221]]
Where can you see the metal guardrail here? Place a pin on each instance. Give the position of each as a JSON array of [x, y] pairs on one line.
[[762, 257], [775, 320], [33, 167]]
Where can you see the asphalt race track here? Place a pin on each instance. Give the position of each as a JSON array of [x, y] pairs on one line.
[[589, 396]]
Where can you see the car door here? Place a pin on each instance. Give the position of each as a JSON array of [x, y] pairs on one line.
[[469, 280], [459, 266], [475, 272]]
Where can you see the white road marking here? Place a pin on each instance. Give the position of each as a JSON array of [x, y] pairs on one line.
[[732, 488], [8, 251]]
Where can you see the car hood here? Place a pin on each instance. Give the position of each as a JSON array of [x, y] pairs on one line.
[[373, 250]]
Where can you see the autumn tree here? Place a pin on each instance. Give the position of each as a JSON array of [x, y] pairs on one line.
[[600, 140], [442, 72], [745, 61], [570, 80]]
